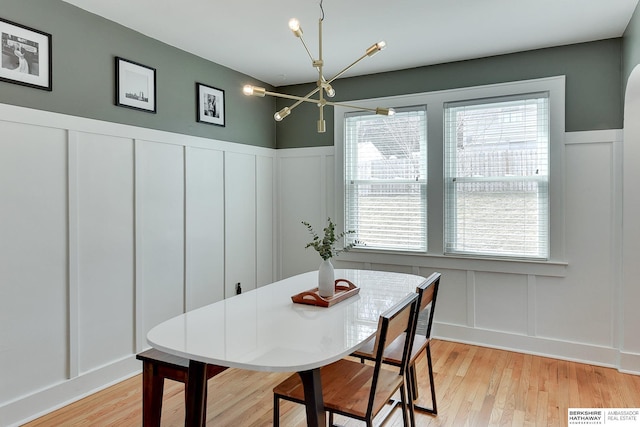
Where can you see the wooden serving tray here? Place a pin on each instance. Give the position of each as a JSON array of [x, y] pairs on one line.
[[312, 297]]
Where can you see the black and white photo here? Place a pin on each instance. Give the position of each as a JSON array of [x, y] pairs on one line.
[[26, 56], [135, 85], [210, 104]]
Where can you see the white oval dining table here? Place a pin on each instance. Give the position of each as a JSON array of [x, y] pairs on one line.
[[264, 330]]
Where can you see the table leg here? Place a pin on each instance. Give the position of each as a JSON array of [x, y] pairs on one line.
[[316, 416], [195, 394], [152, 387]]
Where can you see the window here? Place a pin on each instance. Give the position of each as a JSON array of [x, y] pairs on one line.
[[491, 171], [386, 179], [497, 176]]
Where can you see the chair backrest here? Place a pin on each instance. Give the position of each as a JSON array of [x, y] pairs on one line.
[[427, 294], [391, 324]]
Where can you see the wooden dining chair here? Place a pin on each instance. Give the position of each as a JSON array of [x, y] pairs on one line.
[[427, 294], [358, 390]]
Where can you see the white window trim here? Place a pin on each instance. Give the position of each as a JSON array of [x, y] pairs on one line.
[[435, 189]]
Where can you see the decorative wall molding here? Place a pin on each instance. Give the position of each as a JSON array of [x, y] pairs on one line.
[[539, 346], [593, 136], [92, 162], [548, 294], [16, 114]]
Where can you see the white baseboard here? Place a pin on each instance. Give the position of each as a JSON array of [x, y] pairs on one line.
[[563, 350], [629, 363], [35, 405]]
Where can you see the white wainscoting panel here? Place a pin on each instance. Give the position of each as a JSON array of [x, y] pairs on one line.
[[501, 302], [33, 259], [240, 222], [160, 233], [579, 308], [105, 249], [303, 197], [265, 220], [204, 226]]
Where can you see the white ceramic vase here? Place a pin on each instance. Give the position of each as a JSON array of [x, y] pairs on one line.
[[326, 279]]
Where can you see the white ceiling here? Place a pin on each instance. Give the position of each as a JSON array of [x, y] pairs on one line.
[[252, 36]]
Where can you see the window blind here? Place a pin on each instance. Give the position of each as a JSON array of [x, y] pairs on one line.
[[386, 178], [497, 176]]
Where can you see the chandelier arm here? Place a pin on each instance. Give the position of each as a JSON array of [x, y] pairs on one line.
[[294, 97], [344, 70], [379, 111], [300, 101], [306, 48], [356, 107]]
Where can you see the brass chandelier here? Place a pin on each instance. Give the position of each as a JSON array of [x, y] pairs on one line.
[[324, 88]]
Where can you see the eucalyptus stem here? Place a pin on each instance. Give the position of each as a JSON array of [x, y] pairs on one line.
[[326, 246]]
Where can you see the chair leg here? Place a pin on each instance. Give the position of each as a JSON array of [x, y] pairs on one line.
[[434, 409], [415, 393], [431, 382], [276, 411], [410, 387], [413, 386], [411, 408], [403, 406]]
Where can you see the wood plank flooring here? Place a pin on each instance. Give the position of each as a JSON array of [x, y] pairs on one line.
[[475, 386]]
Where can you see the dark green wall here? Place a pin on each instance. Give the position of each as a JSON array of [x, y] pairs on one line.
[[593, 81], [84, 48], [631, 46]]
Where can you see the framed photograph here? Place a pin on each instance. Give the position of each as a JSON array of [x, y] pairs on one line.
[[210, 104], [135, 85], [26, 56]]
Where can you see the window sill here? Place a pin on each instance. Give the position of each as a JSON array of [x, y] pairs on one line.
[[452, 262]]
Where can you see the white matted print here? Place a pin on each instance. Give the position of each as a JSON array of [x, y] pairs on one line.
[[26, 56], [210, 104], [135, 85]]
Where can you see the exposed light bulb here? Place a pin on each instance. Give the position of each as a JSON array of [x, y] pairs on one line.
[[329, 91], [385, 111], [282, 114], [294, 25], [254, 90], [376, 48]]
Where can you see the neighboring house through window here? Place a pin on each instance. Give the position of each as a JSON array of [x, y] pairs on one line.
[[386, 179], [496, 158]]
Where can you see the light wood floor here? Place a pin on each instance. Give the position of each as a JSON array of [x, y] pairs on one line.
[[475, 386]]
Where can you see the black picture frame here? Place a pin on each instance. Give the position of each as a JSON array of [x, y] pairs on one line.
[[26, 56], [135, 85], [210, 105]]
